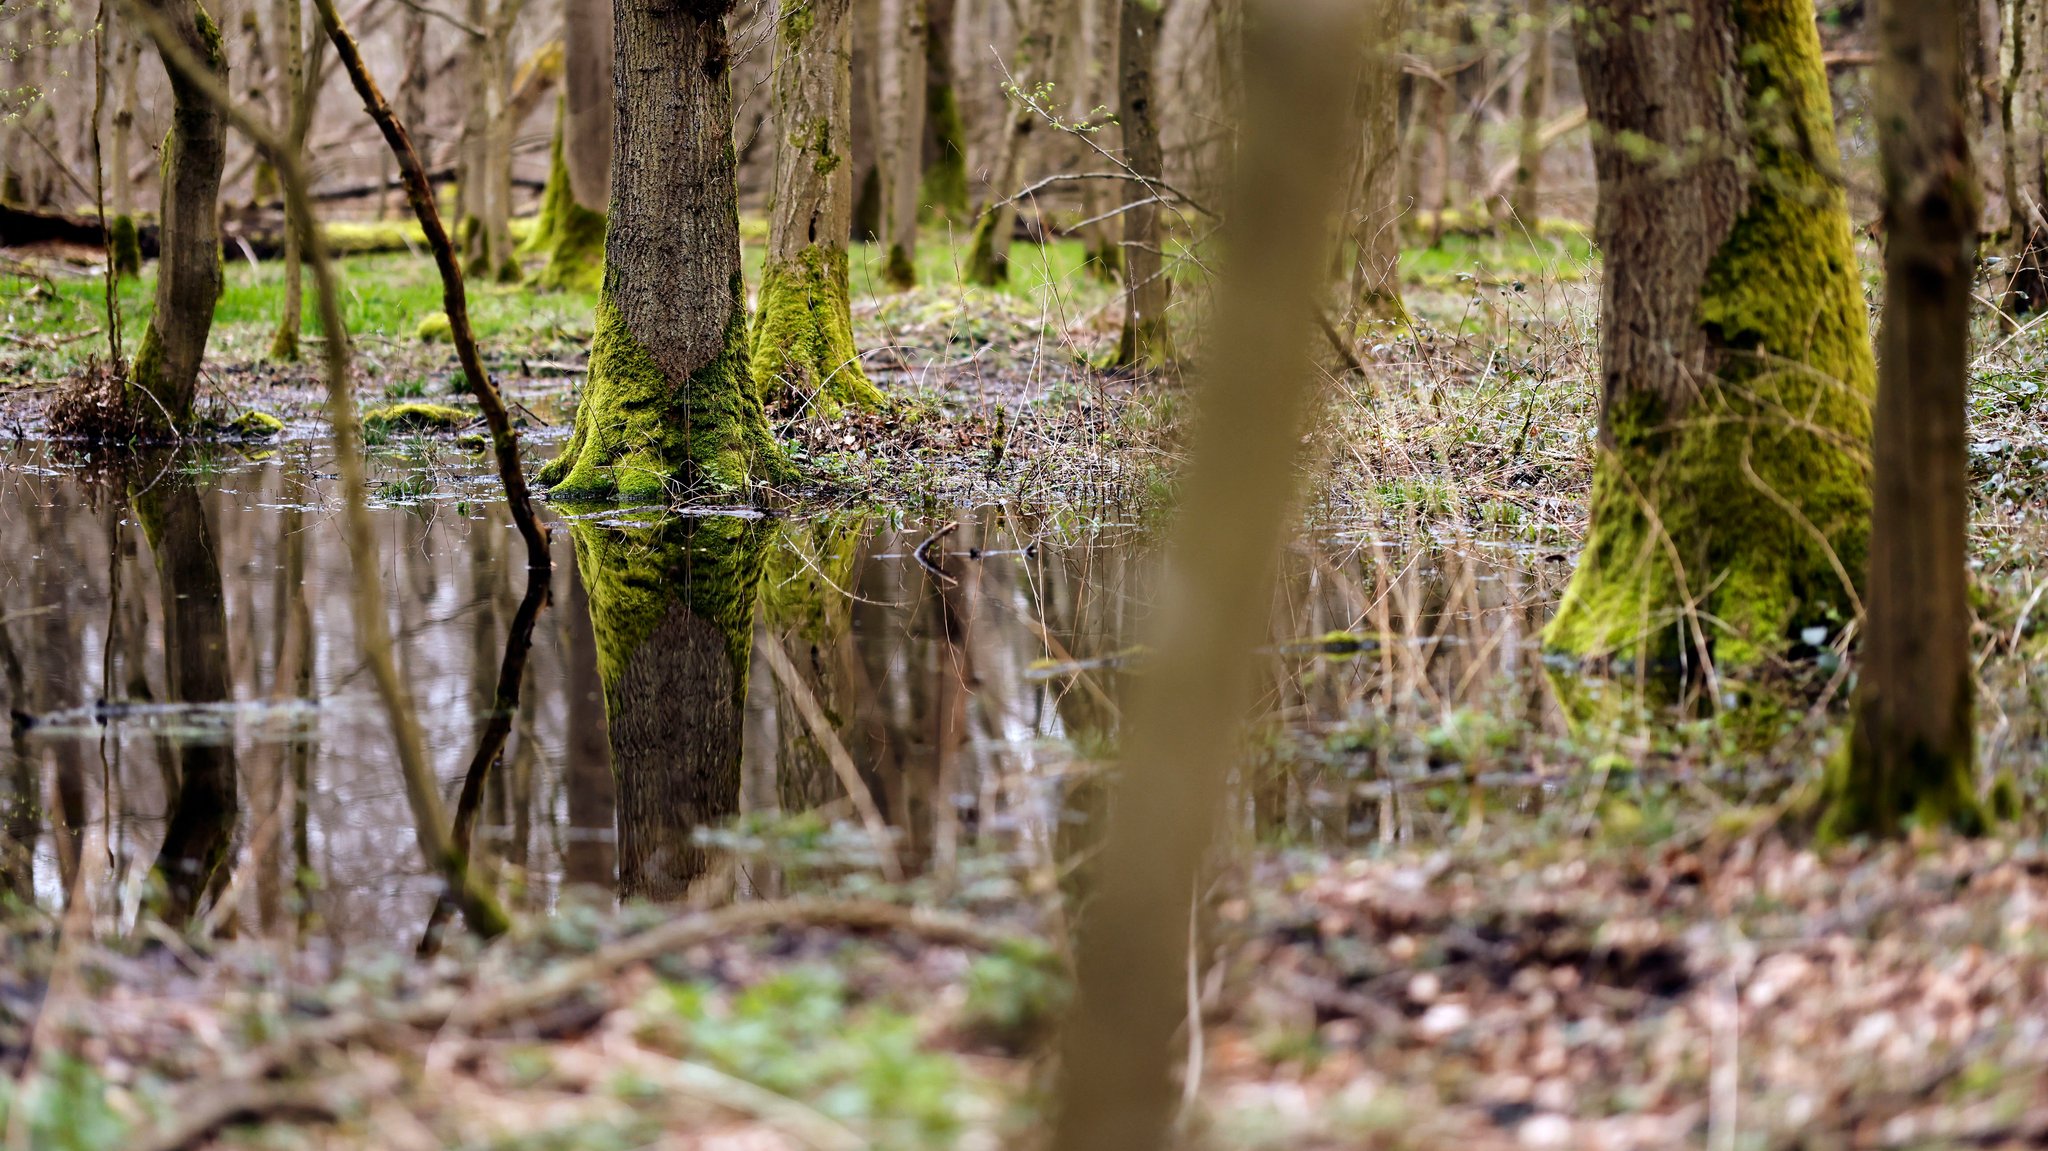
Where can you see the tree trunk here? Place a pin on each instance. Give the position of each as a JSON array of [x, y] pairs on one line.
[[906, 31], [672, 608], [1091, 57], [1730, 505], [572, 211], [412, 93], [1375, 200], [804, 356], [988, 257], [945, 157], [1147, 341], [1535, 102], [669, 395], [205, 808], [1910, 757], [165, 377], [291, 83], [120, 181]]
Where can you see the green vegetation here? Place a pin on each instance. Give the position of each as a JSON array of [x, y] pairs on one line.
[[803, 352]]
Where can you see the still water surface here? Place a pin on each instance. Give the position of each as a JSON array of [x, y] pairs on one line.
[[178, 652]]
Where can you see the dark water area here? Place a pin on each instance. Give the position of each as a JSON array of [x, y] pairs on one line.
[[196, 730]]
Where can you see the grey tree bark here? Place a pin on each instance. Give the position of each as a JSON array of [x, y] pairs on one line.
[[1147, 341], [905, 31]]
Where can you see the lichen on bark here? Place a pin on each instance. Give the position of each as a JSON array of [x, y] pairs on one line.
[[637, 433], [1733, 511], [803, 354]]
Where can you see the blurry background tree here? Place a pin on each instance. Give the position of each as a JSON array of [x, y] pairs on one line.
[[1911, 755]]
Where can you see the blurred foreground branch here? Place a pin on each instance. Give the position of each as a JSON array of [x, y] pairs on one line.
[[1116, 1090]]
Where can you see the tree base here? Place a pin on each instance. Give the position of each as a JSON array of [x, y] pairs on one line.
[[988, 264], [641, 438], [804, 355]]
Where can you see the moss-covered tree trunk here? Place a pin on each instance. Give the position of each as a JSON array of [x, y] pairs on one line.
[[204, 808], [1731, 504], [1147, 342], [904, 35], [671, 610], [580, 164], [945, 149], [803, 335], [1910, 757], [669, 399], [165, 377]]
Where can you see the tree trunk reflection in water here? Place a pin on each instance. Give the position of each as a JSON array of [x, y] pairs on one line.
[[671, 610], [588, 856], [204, 806]]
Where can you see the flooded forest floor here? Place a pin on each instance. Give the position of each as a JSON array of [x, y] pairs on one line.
[[1441, 913]]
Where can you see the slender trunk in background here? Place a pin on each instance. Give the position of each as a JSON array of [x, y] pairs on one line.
[[1375, 208], [1091, 58], [1147, 341], [164, 380], [259, 89], [412, 90], [572, 220], [2023, 112], [1038, 24], [296, 113], [669, 395], [1911, 756], [1732, 483], [863, 143], [944, 191], [500, 257], [1116, 1090], [904, 35], [1535, 101], [803, 355], [472, 163], [121, 185]]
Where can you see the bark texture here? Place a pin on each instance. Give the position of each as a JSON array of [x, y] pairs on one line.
[[803, 355], [669, 397], [988, 256], [671, 610], [1535, 100], [1910, 758], [1730, 506], [165, 378]]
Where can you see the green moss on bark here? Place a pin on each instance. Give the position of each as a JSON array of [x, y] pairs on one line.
[[637, 433], [636, 575], [127, 244], [803, 336], [1936, 791], [944, 193], [571, 235], [1746, 514], [900, 271], [985, 265]]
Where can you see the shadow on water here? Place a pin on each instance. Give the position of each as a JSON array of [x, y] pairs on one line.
[[885, 693]]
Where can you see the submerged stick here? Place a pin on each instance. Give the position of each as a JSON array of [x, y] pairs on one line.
[[422, 792]]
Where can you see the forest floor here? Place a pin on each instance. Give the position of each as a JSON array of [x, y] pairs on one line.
[[1604, 939]]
